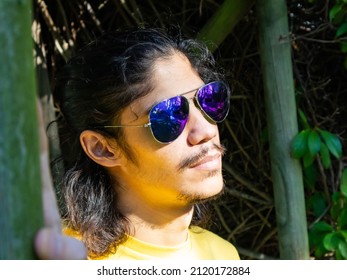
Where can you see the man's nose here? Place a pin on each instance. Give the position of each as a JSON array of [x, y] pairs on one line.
[[200, 128]]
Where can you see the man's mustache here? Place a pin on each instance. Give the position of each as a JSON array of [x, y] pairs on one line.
[[193, 159]]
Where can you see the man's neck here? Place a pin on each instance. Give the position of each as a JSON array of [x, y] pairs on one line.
[[160, 227]]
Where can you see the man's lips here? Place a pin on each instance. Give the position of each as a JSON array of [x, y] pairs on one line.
[[207, 162], [207, 158]]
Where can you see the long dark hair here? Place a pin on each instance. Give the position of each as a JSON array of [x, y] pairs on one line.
[[91, 91]]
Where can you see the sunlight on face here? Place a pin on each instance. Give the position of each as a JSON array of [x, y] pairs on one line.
[[175, 174]]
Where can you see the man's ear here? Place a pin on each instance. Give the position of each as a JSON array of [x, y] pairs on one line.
[[98, 148]]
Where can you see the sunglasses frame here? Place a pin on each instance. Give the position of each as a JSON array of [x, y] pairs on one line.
[[196, 103]]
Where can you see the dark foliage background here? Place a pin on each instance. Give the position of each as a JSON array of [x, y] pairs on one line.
[[245, 215]]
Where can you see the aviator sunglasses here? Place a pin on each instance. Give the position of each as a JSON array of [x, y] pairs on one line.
[[168, 118]]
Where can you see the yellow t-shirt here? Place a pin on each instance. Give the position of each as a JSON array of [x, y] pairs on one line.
[[200, 245]]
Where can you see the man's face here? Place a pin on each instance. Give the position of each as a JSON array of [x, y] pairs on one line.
[[181, 172]]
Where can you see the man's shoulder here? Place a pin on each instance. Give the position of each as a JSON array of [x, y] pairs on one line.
[[212, 242], [206, 235]]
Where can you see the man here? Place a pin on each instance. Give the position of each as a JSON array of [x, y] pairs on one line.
[[142, 149]]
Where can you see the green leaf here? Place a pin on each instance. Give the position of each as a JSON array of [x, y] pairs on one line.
[[334, 13], [341, 30], [344, 234], [308, 159], [333, 143], [342, 219], [317, 234], [325, 155], [344, 182], [342, 247], [331, 241], [338, 255], [318, 204], [322, 226], [299, 144], [313, 143], [336, 196], [303, 119], [316, 238], [320, 251], [335, 211]]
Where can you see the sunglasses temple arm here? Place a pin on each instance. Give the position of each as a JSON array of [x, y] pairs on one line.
[[128, 125]]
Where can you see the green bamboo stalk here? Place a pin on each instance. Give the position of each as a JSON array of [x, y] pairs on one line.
[[275, 52], [20, 183], [223, 21]]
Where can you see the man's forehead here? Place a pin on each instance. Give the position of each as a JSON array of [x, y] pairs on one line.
[[171, 76]]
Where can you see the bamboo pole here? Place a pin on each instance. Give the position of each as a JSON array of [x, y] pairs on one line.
[[20, 180], [275, 52], [223, 21]]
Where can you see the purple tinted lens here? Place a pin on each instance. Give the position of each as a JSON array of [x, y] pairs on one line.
[[168, 118], [214, 100]]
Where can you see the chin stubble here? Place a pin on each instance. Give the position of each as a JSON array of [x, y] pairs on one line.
[[199, 198], [192, 160]]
